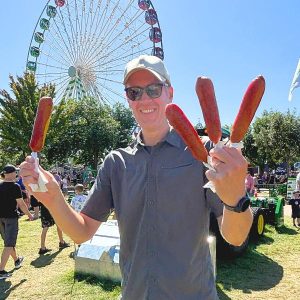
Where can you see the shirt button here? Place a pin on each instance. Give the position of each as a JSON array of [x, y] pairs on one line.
[[153, 279]]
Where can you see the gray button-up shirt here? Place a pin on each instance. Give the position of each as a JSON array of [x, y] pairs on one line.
[[163, 215]]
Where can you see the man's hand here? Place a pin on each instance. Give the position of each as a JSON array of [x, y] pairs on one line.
[[229, 175], [30, 176], [30, 217]]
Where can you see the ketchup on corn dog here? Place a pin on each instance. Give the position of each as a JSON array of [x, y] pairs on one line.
[[207, 99], [41, 124], [247, 109], [186, 130]]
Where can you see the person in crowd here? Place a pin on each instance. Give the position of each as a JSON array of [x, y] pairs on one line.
[[10, 199], [64, 186], [25, 195], [272, 178], [35, 206], [90, 179], [155, 187], [249, 184], [47, 222], [256, 183], [295, 204], [79, 199], [265, 177], [57, 177], [298, 181]]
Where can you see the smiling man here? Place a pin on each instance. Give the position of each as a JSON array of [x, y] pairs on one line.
[[155, 187]]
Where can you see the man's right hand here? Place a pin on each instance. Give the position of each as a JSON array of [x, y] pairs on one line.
[[30, 176]]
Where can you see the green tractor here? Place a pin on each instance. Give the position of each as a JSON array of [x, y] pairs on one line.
[[267, 208]]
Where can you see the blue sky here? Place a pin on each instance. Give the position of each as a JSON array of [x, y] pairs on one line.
[[229, 41]]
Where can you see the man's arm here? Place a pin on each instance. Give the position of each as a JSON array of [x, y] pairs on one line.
[[235, 227], [22, 205], [79, 227]]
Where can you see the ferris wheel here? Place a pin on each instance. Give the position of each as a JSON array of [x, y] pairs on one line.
[[82, 46]]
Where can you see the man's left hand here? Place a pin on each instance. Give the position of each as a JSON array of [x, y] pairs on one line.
[[229, 175]]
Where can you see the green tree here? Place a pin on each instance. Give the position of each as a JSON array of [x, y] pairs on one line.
[[250, 150], [83, 130], [17, 114], [126, 124], [277, 138], [90, 130]]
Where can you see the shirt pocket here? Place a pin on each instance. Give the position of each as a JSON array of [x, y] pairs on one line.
[[177, 165]]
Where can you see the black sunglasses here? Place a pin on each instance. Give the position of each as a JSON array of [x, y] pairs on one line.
[[152, 90]]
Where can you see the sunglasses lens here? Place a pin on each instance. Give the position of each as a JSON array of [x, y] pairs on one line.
[[154, 90], [134, 93]]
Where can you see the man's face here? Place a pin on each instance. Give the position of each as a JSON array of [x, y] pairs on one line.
[[148, 112]]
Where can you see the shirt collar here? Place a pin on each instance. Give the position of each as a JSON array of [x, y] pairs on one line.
[[171, 138]]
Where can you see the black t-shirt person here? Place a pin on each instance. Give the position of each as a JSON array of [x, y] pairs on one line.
[[9, 193]]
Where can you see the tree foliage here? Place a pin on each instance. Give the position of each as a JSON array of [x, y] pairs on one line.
[[274, 138], [83, 130], [17, 114]]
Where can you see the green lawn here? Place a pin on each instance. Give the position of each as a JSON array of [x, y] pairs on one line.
[[268, 270]]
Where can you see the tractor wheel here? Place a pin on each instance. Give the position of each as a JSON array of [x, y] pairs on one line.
[[259, 221]]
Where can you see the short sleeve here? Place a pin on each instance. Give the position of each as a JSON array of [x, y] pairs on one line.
[[214, 203], [17, 192], [99, 201]]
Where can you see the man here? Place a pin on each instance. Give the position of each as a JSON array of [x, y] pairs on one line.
[[155, 187], [89, 181], [10, 199], [57, 177]]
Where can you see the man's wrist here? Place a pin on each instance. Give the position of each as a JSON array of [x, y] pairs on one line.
[[241, 206]]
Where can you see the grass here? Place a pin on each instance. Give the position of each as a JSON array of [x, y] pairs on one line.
[[268, 270]]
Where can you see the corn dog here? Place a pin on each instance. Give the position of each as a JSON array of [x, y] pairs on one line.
[[207, 99], [185, 129], [247, 109], [41, 124]]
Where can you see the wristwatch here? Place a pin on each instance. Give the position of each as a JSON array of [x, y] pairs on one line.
[[242, 205]]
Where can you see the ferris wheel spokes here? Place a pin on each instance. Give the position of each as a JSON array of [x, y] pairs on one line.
[[81, 46]]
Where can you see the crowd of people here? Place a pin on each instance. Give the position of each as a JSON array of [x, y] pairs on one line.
[[254, 181], [16, 201], [67, 177]]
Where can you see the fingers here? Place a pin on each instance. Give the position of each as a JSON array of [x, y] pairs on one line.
[[29, 173], [225, 154], [228, 162], [27, 168], [229, 173]]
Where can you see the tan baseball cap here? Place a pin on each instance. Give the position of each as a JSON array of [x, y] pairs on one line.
[[147, 62]]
